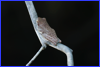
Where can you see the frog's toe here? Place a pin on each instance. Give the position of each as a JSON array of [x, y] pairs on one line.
[[44, 46]]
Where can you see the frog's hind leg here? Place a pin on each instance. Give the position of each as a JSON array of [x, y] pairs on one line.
[[44, 45]]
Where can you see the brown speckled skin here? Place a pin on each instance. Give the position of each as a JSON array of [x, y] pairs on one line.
[[46, 31]]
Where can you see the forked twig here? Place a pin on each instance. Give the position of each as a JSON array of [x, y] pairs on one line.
[[61, 47], [35, 56]]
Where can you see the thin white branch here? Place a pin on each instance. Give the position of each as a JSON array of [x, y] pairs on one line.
[[35, 56], [65, 50], [61, 47]]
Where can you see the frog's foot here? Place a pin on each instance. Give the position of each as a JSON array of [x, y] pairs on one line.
[[44, 46]]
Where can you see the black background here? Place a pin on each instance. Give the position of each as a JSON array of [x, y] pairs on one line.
[[76, 24]]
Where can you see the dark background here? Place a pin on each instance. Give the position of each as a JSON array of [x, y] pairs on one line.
[[76, 24]]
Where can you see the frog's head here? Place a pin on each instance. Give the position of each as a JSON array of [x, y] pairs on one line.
[[40, 24], [41, 21]]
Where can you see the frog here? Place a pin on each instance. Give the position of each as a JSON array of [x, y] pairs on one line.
[[47, 32]]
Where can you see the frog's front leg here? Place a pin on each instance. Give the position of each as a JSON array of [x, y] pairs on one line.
[[44, 45], [43, 41]]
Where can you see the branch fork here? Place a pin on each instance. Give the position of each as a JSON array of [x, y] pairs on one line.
[[60, 47]]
